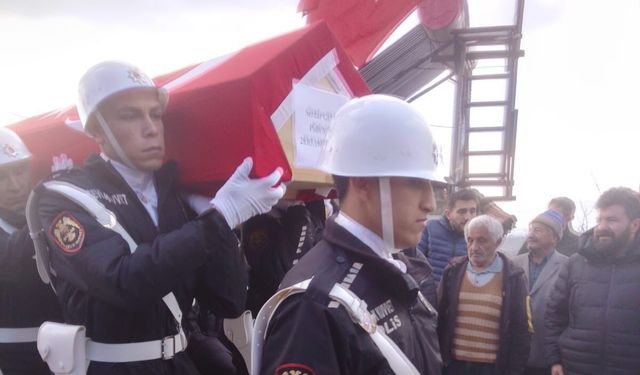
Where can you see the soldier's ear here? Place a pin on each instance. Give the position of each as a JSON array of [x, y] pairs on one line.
[[635, 226]]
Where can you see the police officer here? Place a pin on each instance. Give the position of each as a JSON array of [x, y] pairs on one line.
[[116, 290], [380, 153], [25, 301], [275, 241]]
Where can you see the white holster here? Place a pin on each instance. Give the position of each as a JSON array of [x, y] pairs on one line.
[[62, 347], [62, 360], [240, 331], [357, 309]]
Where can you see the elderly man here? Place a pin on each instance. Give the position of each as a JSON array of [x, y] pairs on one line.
[[379, 155], [483, 325], [129, 289], [593, 313], [25, 301], [568, 243], [443, 238], [541, 266]]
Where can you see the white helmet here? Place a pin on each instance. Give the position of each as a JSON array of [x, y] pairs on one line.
[[380, 136], [106, 79], [12, 149]]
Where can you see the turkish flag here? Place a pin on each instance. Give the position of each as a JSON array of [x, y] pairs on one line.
[[360, 26], [219, 111]]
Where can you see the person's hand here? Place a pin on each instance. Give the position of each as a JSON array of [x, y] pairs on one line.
[[61, 162], [241, 197], [557, 369]]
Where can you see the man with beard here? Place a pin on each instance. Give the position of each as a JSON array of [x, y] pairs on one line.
[[443, 237], [25, 301], [593, 315]]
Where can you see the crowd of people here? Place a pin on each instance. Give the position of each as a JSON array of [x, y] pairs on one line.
[[143, 275]]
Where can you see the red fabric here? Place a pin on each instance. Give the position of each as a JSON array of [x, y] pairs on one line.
[[215, 120], [360, 26], [47, 136], [438, 14]]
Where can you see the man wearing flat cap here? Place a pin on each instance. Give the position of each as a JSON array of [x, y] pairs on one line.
[[541, 266]]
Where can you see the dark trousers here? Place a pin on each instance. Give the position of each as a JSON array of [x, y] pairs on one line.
[[469, 368], [537, 371]]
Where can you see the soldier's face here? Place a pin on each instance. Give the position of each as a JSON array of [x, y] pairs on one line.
[[135, 118], [411, 201], [14, 186]]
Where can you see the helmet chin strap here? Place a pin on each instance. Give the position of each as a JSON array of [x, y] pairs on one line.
[[113, 141], [386, 211]]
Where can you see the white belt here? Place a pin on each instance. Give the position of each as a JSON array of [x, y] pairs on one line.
[[165, 348], [357, 309], [138, 351], [146, 350], [18, 335]]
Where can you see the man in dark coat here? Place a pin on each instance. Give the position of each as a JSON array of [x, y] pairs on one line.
[[593, 314], [484, 322]]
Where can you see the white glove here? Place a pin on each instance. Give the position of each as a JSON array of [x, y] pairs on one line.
[[241, 197], [61, 163]]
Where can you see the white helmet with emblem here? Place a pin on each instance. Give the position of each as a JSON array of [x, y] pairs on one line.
[[380, 136], [109, 78], [12, 149]]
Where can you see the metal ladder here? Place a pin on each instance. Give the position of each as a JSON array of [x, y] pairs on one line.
[[484, 134]]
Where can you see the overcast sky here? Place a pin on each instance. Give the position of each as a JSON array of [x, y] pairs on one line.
[[577, 86]]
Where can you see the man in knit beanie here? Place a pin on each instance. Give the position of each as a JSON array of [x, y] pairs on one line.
[[541, 266]]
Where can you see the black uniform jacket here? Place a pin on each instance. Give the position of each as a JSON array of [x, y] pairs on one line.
[[117, 295], [310, 335], [25, 301]]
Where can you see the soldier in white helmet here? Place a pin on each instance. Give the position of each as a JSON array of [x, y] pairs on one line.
[[25, 302], [113, 283], [362, 312]]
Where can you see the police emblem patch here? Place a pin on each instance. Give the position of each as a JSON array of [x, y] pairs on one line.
[[67, 232], [294, 369]]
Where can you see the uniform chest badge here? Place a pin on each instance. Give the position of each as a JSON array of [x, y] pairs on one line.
[[294, 369], [67, 232]]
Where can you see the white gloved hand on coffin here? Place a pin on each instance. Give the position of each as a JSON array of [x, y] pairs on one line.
[[241, 197]]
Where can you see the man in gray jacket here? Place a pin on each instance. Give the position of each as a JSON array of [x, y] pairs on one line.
[[541, 266]]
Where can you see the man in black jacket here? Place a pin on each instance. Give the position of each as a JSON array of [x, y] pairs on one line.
[[116, 289], [380, 154], [25, 301], [484, 324], [594, 309]]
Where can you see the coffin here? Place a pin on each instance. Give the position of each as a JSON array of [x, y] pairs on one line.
[[223, 110]]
